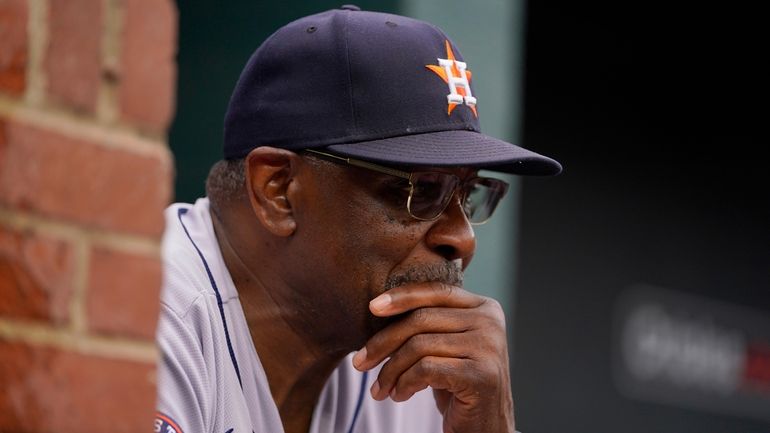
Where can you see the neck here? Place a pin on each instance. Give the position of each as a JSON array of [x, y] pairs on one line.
[[297, 365]]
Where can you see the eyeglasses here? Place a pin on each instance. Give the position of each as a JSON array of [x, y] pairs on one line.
[[431, 191]]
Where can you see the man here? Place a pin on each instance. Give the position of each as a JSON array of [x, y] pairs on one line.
[[318, 286]]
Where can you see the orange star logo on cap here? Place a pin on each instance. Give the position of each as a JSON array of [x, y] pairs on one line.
[[458, 77]]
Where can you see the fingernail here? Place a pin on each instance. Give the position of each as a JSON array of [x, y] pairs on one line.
[[375, 389], [381, 302], [359, 357]]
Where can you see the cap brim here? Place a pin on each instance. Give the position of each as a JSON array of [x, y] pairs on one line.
[[452, 148]]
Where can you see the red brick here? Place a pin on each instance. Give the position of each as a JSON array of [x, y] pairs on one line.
[[13, 46], [36, 276], [123, 293], [73, 58], [99, 186], [46, 390], [148, 63]]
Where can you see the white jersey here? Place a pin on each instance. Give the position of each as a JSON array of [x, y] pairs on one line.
[[210, 378]]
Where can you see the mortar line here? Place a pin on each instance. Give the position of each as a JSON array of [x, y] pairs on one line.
[[77, 306], [61, 121], [108, 104], [135, 244], [37, 32], [108, 347]]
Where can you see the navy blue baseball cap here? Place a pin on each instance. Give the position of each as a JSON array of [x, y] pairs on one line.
[[368, 85]]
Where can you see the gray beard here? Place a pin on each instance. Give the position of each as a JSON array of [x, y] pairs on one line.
[[447, 272]]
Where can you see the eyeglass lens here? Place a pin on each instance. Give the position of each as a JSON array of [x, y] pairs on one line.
[[432, 191], [481, 198]]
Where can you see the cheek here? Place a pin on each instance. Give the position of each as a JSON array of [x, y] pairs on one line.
[[359, 237], [375, 239], [354, 245]]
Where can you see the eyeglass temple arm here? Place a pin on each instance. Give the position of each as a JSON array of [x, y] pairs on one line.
[[365, 164]]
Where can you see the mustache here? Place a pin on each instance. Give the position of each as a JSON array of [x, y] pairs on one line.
[[447, 272]]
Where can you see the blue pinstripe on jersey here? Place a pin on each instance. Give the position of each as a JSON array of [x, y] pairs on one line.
[[181, 212], [360, 401]]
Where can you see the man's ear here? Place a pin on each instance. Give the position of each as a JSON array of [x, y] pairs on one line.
[[269, 174]]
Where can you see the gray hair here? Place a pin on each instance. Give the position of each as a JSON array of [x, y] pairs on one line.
[[226, 182]]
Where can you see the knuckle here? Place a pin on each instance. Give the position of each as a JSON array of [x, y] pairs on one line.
[[426, 367], [421, 343], [444, 290], [481, 371], [412, 348], [420, 317], [432, 368], [494, 312], [493, 303]]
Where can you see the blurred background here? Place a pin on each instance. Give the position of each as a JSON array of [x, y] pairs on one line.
[[636, 283]]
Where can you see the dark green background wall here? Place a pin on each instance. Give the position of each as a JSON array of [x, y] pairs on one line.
[[215, 41]]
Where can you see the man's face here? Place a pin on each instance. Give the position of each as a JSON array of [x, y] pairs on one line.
[[355, 239]]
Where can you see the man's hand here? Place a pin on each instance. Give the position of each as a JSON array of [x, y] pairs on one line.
[[451, 340]]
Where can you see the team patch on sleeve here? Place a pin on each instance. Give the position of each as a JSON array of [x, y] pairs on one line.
[[164, 424]]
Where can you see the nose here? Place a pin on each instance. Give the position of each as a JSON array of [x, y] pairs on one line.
[[451, 235]]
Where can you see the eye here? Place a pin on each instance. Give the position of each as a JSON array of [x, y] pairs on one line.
[[394, 190], [399, 185], [427, 188]]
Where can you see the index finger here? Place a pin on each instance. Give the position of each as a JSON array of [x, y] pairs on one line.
[[418, 295]]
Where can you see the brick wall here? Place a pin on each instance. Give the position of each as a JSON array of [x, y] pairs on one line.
[[86, 99]]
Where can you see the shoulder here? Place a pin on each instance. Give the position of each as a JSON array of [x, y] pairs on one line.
[[189, 255]]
